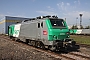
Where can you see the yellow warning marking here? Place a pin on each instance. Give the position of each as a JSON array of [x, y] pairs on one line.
[[3, 21]]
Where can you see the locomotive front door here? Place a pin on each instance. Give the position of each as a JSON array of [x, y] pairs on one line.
[[39, 31]]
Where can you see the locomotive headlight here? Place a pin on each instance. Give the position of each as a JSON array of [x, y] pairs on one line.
[[68, 33], [55, 37], [70, 41], [68, 36]]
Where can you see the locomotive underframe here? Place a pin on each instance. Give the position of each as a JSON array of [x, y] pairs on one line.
[[57, 45], [63, 45]]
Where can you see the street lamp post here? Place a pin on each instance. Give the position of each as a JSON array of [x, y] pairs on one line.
[[89, 25], [76, 20], [80, 20]]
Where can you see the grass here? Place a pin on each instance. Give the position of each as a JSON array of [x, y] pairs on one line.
[[81, 39]]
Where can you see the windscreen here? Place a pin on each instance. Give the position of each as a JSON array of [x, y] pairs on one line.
[[57, 22]]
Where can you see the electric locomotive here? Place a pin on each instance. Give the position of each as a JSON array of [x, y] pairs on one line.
[[45, 32]]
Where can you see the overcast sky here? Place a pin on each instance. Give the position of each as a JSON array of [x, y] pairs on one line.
[[69, 9]]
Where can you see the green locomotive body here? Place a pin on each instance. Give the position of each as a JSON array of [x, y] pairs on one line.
[[50, 32]]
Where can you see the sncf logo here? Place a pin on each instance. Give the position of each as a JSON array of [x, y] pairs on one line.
[[16, 32]]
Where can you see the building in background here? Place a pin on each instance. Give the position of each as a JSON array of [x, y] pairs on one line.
[[8, 20]]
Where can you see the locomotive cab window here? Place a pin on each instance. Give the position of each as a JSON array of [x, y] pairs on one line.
[[42, 24], [57, 23], [38, 25]]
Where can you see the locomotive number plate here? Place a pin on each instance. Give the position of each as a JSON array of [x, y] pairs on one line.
[[62, 33]]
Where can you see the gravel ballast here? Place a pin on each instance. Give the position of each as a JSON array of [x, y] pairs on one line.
[[11, 50]]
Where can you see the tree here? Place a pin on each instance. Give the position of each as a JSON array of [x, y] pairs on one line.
[[81, 27], [87, 27], [74, 27]]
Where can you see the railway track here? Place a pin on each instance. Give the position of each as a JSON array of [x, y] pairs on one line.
[[80, 55], [84, 45], [60, 55]]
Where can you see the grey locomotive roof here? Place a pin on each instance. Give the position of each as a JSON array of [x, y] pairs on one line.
[[39, 19]]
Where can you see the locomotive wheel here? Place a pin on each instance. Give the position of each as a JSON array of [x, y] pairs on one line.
[[27, 41], [52, 48], [37, 44], [33, 43], [10, 37], [42, 45], [16, 39]]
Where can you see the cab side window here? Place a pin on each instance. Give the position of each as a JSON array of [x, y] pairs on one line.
[[42, 24], [38, 25]]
